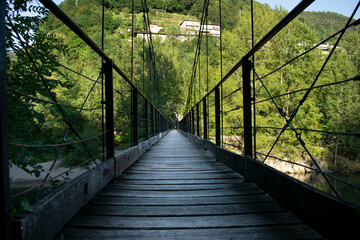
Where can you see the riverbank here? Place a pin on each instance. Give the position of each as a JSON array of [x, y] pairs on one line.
[[20, 178], [300, 167]]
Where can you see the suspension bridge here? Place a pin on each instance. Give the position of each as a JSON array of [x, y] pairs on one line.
[[175, 179]]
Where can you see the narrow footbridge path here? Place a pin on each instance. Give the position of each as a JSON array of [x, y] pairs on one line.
[[179, 191]]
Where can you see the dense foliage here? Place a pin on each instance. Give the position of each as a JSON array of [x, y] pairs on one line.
[[324, 23], [333, 109]]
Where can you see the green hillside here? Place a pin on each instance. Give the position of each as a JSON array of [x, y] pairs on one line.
[[324, 23]]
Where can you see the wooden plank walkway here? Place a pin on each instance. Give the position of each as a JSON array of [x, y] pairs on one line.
[[178, 191]]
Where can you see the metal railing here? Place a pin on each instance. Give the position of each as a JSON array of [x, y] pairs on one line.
[[206, 118], [137, 118]]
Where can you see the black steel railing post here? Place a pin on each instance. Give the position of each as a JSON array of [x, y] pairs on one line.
[[246, 73], [184, 124], [205, 118], [146, 119], [164, 124], [161, 123], [152, 120], [188, 123], [159, 116], [109, 112], [188, 126], [157, 121], [197, 121], [4, 171], [134, 117], [217, 117], [192, 122]]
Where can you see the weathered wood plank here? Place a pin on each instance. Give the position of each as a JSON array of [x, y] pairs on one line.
[[179, 181], [188, 222], [191, 210], [164, 165], [179, 169], [248, 233], [179, 176], [170, 187], [179, 201], [168, 157], [243, 190]]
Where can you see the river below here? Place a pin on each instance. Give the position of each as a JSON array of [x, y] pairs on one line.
[[346, 192]]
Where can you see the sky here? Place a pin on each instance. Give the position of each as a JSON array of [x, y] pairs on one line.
[[344, 7]]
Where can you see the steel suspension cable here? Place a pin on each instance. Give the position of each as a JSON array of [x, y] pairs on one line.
[[132, 41], [298, 136], [325, 63], [314, 82], [353, 24], [60, 64], [357, 78], [221, 76], [152, 55], [193, 75], [56, 145], [49, 102], [102, 78], [253, 77], [68, 132], [356, 134]]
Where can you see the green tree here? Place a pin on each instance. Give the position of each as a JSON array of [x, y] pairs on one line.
[[29, 73]]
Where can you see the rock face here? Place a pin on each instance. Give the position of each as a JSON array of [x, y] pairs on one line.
[[287, 167]]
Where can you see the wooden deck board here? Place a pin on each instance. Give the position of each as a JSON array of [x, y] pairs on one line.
[[179, 191], [190, 210], [248, 233], [181, 222], [180, 201]]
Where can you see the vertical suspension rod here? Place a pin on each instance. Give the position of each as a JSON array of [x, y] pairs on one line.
[[253, 77]]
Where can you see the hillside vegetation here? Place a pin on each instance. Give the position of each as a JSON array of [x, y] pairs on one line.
[[324, 23]]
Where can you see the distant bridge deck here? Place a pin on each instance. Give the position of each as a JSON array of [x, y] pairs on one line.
[[177, 190]]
